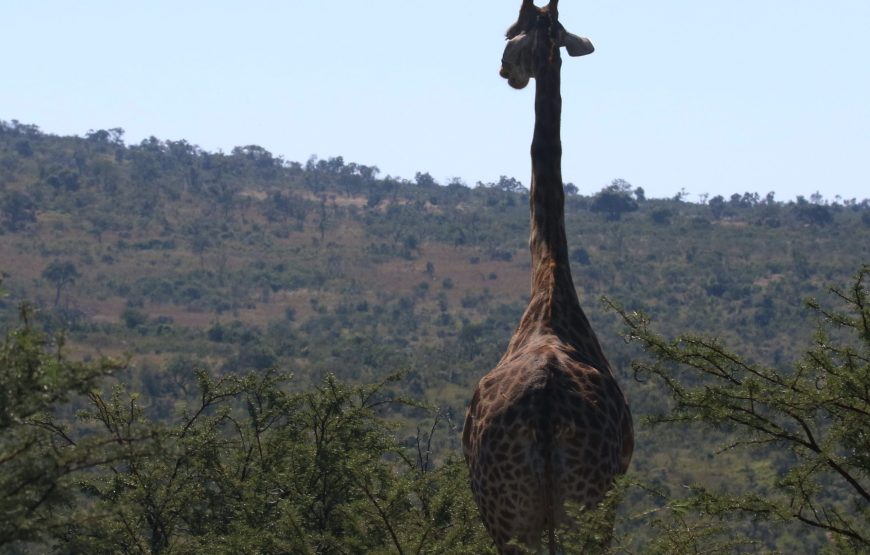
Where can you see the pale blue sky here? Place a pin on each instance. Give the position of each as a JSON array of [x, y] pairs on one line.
[[707, 96]]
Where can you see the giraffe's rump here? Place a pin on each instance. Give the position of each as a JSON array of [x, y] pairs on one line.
[[551, 434]]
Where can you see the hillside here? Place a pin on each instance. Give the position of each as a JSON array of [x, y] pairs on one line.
[[182, 258], [167, 242]]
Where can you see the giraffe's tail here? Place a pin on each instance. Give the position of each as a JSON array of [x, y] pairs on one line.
[[550, 464]]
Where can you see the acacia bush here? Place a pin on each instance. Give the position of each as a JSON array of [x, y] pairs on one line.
[[812, 419], [39, 460], [249, 463]]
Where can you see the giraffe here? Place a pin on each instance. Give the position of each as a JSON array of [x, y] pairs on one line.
[[549, 424], [517, 64]]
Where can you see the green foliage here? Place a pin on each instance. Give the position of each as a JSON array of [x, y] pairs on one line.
[[252, 463], [661, 216], [133, 318], [213, 252], [655, 523], [812, 420], [39, 457], [18, 210], [60, 274], [616, 199], [247, 465]]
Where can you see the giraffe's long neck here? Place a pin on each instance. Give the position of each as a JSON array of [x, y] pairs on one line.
[[549, 246], [554, 305]]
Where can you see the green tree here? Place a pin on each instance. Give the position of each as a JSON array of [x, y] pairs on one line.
[[817, 214], [60, 274], [509, 185], [424, 180], [64, 179], [133, 318], [252, 468], [18, 210], [99, 222], [813, 418], [615, 200], [40, 458], [717, 206], [661, 216]]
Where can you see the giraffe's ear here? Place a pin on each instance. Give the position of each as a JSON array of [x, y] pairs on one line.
[[575, 45]]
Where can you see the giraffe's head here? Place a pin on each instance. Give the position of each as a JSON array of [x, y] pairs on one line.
[[518, 60]]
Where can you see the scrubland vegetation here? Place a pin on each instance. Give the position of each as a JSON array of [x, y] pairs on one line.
[[234, 353]]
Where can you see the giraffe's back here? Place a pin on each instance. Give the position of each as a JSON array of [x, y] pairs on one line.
[[543, 429]]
